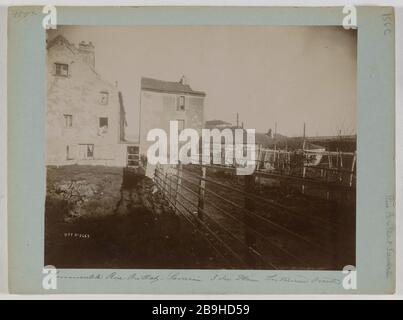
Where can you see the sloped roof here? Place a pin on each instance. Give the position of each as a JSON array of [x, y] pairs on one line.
[[212, 123], [294, 143], [216, 122], [168, 86], [61, 40]]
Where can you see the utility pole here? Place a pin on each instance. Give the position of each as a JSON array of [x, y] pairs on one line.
[[237, 120], [275, 129], [275, 135], [303, 160], [275, 143]]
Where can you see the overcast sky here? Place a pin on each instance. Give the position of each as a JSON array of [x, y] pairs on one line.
[[286, 75]]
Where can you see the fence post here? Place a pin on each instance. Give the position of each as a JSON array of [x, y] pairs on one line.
[[259, 154], [178, 182], [250, 239], [170, 177], [304, 158], [352, 168], [177, 191], [202, 188], [156, 174], [158, 178], [165, 189]]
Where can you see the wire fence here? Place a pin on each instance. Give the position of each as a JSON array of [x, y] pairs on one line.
[[332, 167], [246, 229]]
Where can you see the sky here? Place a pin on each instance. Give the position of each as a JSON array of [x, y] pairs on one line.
[[283, 75]]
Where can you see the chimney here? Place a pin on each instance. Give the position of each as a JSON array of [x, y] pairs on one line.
[[183, 80], [87, 51], [269, 133]]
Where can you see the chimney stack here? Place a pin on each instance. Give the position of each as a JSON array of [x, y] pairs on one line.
[[183, 80], [87, 51]]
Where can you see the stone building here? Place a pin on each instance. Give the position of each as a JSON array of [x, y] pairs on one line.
[[164, 101], [85, 113]]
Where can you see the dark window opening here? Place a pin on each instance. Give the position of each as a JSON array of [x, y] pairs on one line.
[[62, 69], [103, 126], [181, 103], [103, 122], [104, 97], [85, 151], [90, 150]]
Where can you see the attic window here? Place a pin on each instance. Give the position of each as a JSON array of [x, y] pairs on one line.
[[61, 69], [68, 120], [104, 97], [181, 103]]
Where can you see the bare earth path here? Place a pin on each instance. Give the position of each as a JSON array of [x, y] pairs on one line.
[[138, 231]]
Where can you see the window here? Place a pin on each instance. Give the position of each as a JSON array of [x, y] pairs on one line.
[[61, 69], [103, 122], [90, 150], [68, 120], [181, 103], [104, 97], [103, 126], [86, 151]]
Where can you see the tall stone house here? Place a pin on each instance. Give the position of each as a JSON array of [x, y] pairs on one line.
[[85, 113], [164, 101]]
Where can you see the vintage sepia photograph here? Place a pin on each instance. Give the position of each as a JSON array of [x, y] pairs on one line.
[[201, 147]]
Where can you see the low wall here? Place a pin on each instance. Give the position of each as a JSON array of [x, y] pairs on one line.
[[76, 191]]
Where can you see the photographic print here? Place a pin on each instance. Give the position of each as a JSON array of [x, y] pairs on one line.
[[143, 129], [203, 150]]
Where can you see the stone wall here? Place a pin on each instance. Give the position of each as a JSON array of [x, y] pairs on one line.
[[79, 94], [157, 109]]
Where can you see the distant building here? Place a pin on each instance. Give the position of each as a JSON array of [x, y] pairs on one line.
[[164, 101], [85, 113], [217, 124]]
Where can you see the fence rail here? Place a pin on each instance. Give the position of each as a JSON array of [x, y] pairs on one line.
[[335, 168], [238, 223]]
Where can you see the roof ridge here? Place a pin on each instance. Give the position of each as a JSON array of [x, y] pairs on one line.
[[158, 85]]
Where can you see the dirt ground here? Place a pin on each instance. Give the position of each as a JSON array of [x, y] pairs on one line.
[[101, 217]]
